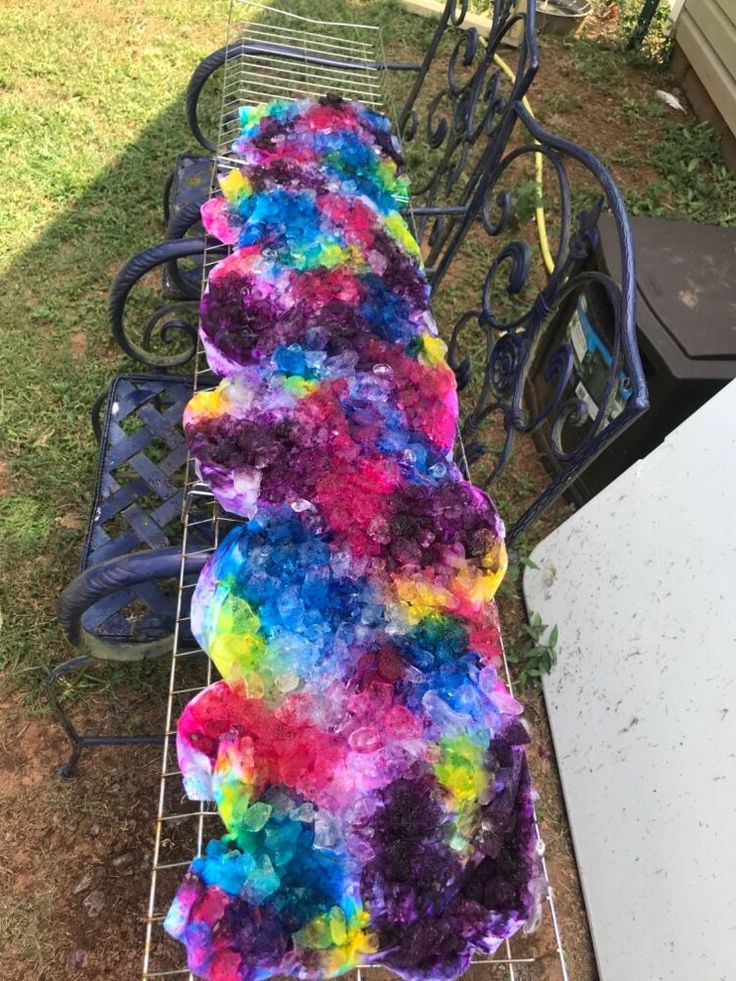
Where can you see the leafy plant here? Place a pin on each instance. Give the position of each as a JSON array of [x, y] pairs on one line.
[[518, 561], [636, 110], [693, 182], [534, 656], [623, 15], [527, 198], [657, 43]]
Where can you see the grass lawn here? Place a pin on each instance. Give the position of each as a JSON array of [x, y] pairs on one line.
[[91, 111]]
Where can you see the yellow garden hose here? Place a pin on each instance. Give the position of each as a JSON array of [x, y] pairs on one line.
[[549, 262], [428, 8]]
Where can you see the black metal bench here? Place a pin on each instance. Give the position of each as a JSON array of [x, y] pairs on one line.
[[469, 117], [118, 608]]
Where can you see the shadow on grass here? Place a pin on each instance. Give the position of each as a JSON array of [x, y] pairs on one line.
[[56, 355]]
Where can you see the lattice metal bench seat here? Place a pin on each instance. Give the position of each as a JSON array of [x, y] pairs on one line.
[[119, 607], [188, 183]]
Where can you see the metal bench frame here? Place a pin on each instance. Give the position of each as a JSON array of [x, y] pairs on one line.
[[467, 118], [466, 115]]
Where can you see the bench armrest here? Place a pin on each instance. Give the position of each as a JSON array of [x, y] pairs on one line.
[[107, 577]]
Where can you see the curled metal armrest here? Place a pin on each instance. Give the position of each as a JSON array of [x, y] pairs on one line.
[[197, 82], [134, 270], [107, 577], [183, 221]]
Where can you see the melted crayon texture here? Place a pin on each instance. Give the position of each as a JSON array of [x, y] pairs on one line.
[[364, 755]]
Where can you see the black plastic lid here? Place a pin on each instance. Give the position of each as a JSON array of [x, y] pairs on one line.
[[686, 291]]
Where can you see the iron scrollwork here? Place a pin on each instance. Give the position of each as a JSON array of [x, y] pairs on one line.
[[533, 340], [467, 122], [464, 115], [168, 337]]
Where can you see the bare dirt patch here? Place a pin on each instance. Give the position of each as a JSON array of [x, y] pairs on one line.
[[74, 855]]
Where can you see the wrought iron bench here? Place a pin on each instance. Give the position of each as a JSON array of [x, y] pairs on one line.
[[118, 607], [471, 118]]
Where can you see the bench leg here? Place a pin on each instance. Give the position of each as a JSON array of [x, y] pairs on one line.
[[67, 769]]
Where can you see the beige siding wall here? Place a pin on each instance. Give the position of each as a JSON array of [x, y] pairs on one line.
[[706, 34]]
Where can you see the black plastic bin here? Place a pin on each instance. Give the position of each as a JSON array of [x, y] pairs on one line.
[[686, 323]]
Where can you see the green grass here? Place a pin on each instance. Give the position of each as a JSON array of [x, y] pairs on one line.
[[693, 183], [23, 925], [91, 110]]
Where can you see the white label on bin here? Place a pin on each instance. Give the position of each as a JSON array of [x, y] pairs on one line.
[[584, 395], [577, 336]]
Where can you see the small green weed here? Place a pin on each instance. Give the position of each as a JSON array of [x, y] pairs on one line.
[[533, 656], [624, 158], [636, 110], [518, 561], [527, 198], [693, 183]]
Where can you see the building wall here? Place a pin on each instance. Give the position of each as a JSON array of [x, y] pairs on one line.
[[706, 34], [705, 63]]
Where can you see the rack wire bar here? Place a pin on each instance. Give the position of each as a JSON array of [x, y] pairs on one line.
[[322, 57]]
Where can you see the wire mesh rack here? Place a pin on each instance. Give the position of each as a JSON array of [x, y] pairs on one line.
[[275, 54], [323, 57]]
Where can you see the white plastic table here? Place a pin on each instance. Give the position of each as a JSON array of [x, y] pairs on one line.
[[641, 583]]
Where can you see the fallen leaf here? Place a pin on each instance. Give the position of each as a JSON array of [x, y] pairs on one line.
[[84, 883], [76, 960], [43, 439], [672, 101], [94, 903]]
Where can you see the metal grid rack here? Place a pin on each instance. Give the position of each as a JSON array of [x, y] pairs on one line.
[[183, 826], [285, 56]]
